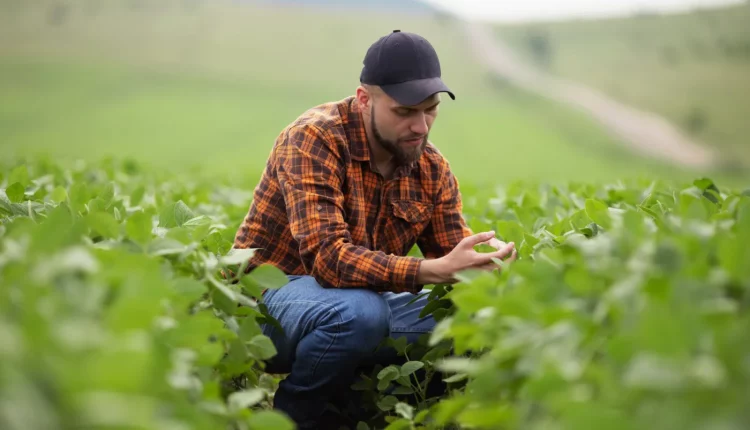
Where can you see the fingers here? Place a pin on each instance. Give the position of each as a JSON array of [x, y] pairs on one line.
[[497, 244], [508, 249], [492, 265], [476, 239], [488, 267]]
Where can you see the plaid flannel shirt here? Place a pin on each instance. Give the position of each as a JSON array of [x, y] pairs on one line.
[[321, 209]]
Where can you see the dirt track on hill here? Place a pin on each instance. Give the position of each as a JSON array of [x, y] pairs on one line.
[[644, 132]]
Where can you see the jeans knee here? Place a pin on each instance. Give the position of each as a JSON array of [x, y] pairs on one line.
[[368, 322]]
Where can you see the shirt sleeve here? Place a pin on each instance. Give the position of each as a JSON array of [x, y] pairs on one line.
[[447, 227], [311, 175]]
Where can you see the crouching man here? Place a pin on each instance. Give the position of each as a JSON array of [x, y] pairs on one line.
[[349, 188]]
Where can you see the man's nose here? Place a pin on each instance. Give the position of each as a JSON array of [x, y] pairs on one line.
[[420, 125]]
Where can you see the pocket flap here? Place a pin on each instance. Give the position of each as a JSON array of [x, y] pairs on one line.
[[411, 210]]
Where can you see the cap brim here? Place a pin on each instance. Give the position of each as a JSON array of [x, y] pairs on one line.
[[412, 93]]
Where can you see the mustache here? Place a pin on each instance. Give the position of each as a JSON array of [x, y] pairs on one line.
[[420, 136]]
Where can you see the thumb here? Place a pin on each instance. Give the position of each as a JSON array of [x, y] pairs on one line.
[[471, 241]]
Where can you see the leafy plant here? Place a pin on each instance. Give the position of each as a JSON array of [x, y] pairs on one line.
[[114, 309], [122, 304]]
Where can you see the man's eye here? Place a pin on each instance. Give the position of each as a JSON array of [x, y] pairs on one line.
[[402, 112]]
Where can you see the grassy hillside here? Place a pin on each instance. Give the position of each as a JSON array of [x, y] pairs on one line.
[[692, 68], [198, 85]]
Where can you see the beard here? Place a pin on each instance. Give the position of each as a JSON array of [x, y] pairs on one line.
[[402, 156]]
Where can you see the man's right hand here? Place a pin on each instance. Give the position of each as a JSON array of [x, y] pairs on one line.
[[443, 270]]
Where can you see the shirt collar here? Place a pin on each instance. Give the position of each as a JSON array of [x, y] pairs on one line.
[[355, 130]]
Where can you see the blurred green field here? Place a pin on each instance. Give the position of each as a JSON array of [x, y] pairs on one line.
[[206, 88], [693, 68]]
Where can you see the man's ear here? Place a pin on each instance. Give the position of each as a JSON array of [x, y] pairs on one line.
[[364, 97]]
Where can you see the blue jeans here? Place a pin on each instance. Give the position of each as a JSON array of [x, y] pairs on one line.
[[328, 335]]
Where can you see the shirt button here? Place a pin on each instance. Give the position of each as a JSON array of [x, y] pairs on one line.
[[320, 208]]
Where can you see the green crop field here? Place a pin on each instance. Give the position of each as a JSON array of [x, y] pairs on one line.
[[132, 134], [209, 88], [692, 68], [627, 309]]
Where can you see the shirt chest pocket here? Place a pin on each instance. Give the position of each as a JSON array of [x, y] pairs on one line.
[[409, 219]]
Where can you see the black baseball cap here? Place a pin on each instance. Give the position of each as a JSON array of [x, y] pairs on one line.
[[405, 66]]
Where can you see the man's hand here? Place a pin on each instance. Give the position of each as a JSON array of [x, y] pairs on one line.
[[499, 245], [463, 256]]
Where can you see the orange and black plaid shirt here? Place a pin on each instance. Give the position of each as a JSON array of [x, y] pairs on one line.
[[321, 209]]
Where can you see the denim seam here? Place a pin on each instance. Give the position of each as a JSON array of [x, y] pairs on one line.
[[390, 320], [333, 340]]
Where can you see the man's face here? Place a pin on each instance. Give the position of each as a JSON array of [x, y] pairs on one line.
[[402, 130]]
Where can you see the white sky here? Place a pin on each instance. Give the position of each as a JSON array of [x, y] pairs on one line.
[[529, 10]]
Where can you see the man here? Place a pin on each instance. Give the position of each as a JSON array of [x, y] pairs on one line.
[[349, 188]]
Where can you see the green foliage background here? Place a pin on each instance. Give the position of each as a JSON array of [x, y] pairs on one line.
[[628, 307]]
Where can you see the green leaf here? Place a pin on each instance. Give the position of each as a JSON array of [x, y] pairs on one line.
[[421, 416], [710, 190], [399, 424], [490, 416], [21, 175], [510, 231], [269, 420], [484, 249], [267, 318], [448, 409], [387, 403], [458, 364], [362, 426], [456, 378], [137, 195], [387, 375], [79, 195], [189, 288], [245, 399], [402, 390], [268, 276], [410, 367], [223, 302], [180, 234], [704, 184], [251, 287], [249, 329], [400, 344], [5, 205], [104, 224], [107, 195], [199, 227], [138, 227], [405, 410], [261, 347], [175, 215], [432, 305], [595, 416], [16, 192], [598, 212], [165, 246], [237, 256]]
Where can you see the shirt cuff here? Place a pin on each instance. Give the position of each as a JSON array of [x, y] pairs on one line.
[[404, 272]]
